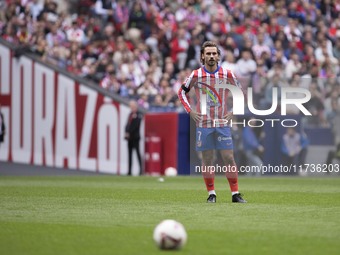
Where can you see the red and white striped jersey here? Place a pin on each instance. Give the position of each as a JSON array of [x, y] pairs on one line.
[[211, 100]]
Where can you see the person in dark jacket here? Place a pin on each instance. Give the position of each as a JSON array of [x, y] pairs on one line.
[[2, 127], [132, 134]]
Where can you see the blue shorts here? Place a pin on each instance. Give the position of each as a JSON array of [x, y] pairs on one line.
[[217, 138]]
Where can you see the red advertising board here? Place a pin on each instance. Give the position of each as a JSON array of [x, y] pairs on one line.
[[164, 127], [52, 120]]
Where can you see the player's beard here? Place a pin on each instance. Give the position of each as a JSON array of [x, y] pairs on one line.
[[211, 62]]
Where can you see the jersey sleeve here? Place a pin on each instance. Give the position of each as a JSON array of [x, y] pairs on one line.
[[184, 89]]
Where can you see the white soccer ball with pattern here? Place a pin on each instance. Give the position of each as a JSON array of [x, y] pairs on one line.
[[170, 235], [170, 171]]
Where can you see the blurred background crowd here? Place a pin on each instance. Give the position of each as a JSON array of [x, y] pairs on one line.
[[145, 49]]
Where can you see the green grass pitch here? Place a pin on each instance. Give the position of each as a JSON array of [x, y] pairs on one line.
[[117, 215]]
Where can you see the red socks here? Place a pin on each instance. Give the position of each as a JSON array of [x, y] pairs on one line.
[[209, 180], [232, 177]]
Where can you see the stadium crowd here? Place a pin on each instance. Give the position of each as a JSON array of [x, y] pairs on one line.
[[145, 49]]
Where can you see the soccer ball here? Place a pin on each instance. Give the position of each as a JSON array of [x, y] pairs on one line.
[[170, 171], [170, 235]]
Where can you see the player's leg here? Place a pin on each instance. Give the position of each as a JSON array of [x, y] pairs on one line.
[[208, 175], [224, 144], [231, 169], [204, 143]]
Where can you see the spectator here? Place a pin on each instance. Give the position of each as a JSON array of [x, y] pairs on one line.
[[179, 47], [292, 31], [132, 135], [275, 82], [147, 89], [41, 48], [122, 51], [295, 82], [229, 62], [259, 81], [218, 11], [246, 67], [336, 48], [231, 46], [315, 106], [158, 102], [138, 37], [35, 8], [333, 155], [10, 34], [138, 19], [259, 48], [252, 146], [56, 36], [193, 53], [293, 147], [75, 33], [333, 114], [282, 19], [121, 15], [323, 51], [103, 9], [304, 141], [293, 66], [277, 69]]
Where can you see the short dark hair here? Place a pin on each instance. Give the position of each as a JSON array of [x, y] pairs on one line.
[[209, 44]]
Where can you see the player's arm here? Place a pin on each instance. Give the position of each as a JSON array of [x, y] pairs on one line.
[[184, 90], [182, 94]]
